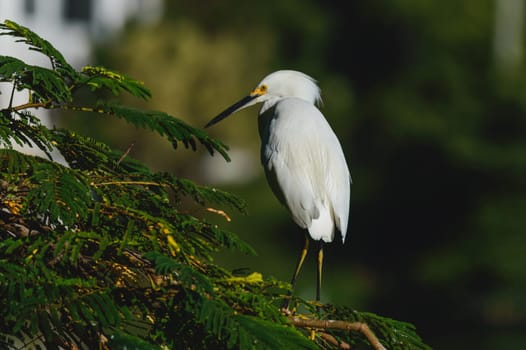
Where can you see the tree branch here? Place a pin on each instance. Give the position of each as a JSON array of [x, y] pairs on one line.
[[343, 325], [31, 105], [138, 183], [330, 339]]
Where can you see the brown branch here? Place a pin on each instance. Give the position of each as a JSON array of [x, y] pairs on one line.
[[139, 183], [343, 325], [31, 105], [48, 105], [330, 339], [219, 212]]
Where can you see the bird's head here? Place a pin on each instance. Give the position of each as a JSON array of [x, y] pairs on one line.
[[277, 85]]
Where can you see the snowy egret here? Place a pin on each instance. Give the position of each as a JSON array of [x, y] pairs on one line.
[[303, 159]]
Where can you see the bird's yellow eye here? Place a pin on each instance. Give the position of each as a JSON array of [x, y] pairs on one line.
[[260, 90]]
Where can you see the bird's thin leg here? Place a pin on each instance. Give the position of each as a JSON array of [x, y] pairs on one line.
[[301, 259], [320, 268]]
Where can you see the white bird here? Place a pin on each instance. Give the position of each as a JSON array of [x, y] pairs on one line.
[[303, 159]]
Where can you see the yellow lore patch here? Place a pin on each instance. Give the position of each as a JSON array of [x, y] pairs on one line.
[[260, 90]]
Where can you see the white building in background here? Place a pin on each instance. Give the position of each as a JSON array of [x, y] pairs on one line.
[[72, 26], [508, 46]]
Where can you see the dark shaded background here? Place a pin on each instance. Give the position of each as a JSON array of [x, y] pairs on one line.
[[433, 124]]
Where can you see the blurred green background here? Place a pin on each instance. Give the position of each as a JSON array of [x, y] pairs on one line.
[[429, 101]]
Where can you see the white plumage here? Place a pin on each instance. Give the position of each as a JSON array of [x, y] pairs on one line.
[[305, 166], [302, 157]]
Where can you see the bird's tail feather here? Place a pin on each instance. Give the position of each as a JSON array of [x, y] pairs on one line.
[[323, 226]]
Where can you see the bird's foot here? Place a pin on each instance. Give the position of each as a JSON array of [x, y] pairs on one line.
[[286, 311]]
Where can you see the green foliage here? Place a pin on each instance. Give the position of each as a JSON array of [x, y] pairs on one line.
[[36, 43], [395, 335], [173, 129], [103, 253], [52, 88], [61, 195], [46, 84], [101, 78]]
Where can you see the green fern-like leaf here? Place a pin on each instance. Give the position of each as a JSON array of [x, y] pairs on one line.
[[263, 334], [46, 85], [14, 162], [393, 334], [62, 194], [248, 332], [123, 341], [204, 193], [85, 153], [165, 125], [183, 273], [24, 131], [102, 78], [396, 335], [35, 42]]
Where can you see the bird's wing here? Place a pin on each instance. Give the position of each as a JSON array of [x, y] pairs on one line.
[[338, 184], [289, 182], [331, 181]]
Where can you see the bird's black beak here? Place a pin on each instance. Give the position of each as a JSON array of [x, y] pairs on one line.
[[232, 109]]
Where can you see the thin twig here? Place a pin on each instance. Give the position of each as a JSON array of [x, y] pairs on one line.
[[12, 96], [139, 183], [86, 109], [343, 325], [219, 212], [125, 154]]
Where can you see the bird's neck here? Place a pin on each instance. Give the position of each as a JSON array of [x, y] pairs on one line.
[[268, 104], [264, 118]]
